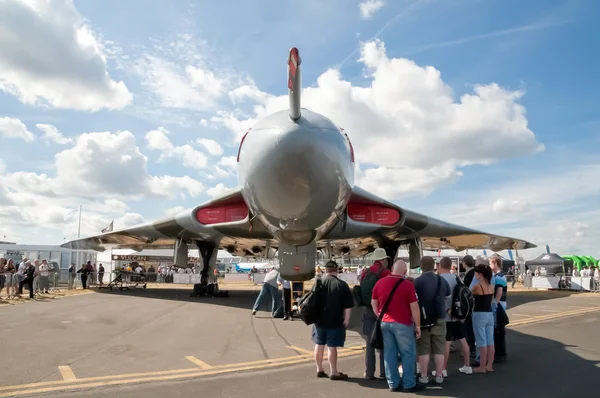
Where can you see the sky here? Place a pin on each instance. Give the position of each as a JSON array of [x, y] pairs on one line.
[[477, 112]]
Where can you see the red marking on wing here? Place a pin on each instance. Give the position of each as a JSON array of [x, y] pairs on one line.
[[222, 214], [373, 214]]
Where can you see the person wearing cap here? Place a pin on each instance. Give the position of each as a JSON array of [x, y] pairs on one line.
[[381, 264], [336, 302]]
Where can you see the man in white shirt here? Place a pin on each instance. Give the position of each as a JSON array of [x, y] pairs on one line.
[[269, 288]]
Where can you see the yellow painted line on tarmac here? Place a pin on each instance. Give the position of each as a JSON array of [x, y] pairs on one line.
[[201, 364], [133, 378], [67, 373], [543, 318], [300, 350]]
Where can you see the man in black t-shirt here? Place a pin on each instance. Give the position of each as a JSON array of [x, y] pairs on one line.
[[336, 302]]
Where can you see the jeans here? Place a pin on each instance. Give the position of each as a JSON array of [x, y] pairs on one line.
[[265, 291], [399, 339], [368, 322]]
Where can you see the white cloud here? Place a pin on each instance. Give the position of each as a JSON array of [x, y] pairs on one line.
[[502, 206], [176, 86], [50, 57], [370, 7], [229, 162], [212, 146], [99, 171], [217, 190], [190, 157], [405, 123], [115, 206], [173, 211], [179, 74], [14, 128], [557, 207], [397, 183], [52, 134], [101, 164], [172, 187]]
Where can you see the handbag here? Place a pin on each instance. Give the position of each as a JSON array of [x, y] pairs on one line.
[[376, 338]]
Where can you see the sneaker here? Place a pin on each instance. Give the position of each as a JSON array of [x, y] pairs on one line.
[[423, 380], [444, 373], [439, 380], [466, 370]]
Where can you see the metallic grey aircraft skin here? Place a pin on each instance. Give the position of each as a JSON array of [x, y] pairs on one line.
[[296, 177]]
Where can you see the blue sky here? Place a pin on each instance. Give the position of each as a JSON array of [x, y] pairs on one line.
[[543, 49]]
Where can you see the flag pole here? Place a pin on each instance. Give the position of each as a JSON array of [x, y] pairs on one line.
[[78, 236]]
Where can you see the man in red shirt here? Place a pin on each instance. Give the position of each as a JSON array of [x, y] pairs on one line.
[[400, 325]]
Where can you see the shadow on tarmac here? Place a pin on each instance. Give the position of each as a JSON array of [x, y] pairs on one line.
[[517, 298], [537, 367]]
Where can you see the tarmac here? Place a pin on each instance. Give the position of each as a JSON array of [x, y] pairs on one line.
[[160, 341]]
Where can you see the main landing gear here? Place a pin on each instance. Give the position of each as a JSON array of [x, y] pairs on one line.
[[208, 253]]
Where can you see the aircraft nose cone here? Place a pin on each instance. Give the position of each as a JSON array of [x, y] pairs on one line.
[[299, 181]]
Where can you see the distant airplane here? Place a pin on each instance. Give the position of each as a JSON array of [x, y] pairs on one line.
[[296, 195]]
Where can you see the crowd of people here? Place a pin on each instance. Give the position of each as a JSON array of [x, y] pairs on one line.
[[417, 318]]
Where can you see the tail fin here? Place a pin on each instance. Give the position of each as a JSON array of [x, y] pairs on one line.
[[294, 83]]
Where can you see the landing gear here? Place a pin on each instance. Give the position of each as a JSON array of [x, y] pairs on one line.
[[208, 253], [415, 253]]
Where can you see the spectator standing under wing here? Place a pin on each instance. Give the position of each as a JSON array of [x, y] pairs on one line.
[[500, 289], [455, 328], [44, 283], [101, 275], [432, 291], [268, 289], [400, 324], [469, 266], [483, 318], [287, 297], [28, 276], [336, 304], [368, 279]]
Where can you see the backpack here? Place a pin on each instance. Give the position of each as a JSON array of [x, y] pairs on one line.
[[309, 307], [430, 320], [462, 301], [363, 292]]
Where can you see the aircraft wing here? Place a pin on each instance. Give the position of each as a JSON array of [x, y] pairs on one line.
[[371, 221], [225, 219]]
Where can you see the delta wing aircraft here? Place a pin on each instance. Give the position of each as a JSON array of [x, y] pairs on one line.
[[296, 196]]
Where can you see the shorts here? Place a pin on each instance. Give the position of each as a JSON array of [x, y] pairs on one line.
[[331, 337], [433, 340], [483, 327], [455, 330]]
